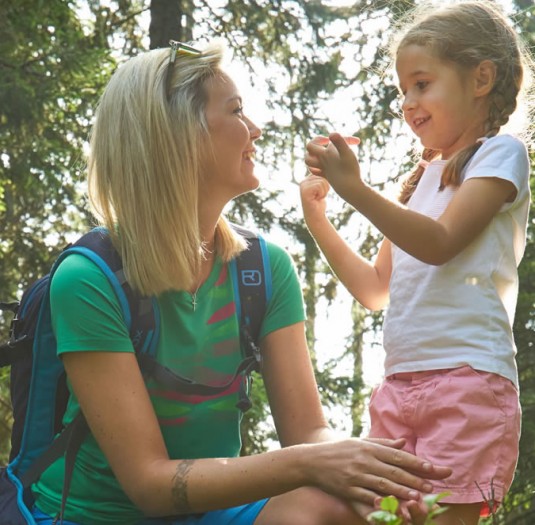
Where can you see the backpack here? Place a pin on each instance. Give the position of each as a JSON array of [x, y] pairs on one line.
[[38, 384]]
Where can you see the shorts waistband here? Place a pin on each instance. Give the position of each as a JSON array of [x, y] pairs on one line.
[[411, 376]]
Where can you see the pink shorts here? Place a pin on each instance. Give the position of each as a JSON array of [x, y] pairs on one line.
[[460, 418]]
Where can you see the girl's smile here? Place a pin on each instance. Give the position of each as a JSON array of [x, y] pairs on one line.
[[440, 103]]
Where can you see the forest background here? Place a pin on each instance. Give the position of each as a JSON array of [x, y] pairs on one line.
[[303, 62]]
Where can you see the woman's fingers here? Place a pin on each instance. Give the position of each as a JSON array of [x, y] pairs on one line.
[[390, 453], [392, 443]]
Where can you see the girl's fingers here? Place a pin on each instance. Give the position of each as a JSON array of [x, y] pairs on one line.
[[320, 141], [315, 187], [417, 512], [311, 160], [324, 141], [342, 144]]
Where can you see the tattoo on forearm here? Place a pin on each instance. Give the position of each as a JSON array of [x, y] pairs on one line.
[[180, 486]]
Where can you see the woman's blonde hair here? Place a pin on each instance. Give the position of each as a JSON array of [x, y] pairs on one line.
[[465, 34], [144, 167]]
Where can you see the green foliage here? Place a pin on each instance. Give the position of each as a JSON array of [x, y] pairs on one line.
[[50, 76], [390, 507], [257, 431]]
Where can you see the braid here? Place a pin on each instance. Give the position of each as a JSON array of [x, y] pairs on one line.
[[409, 184], [451, 176]]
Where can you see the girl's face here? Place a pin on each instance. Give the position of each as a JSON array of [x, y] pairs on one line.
[[440, 103], [228, 169]]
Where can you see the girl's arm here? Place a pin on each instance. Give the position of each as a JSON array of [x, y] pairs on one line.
[[431, 241], [114, 399], [366, 281]]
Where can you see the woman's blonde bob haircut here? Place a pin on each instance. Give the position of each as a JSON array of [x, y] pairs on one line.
[[144, 166]]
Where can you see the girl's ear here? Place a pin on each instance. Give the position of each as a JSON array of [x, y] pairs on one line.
[[485, 77]]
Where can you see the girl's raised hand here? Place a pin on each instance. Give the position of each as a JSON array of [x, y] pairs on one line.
[[331, 158], [314, 190]]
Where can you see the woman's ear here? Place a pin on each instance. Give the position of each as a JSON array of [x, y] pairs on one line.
[[485, 77]]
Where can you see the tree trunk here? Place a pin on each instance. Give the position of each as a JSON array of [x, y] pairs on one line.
[[170, 20]]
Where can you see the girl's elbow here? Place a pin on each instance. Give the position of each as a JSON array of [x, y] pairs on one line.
[[376, 303], [438, 257]]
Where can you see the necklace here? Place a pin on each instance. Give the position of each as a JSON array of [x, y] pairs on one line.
[[194, 298], [208, 259]]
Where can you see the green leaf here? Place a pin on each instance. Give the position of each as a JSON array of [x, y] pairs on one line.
[[432, 499], [390, 504], [385, 517]]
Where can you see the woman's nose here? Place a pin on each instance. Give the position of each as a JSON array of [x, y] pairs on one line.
[[254, 130]]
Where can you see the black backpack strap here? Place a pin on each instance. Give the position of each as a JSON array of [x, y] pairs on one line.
[[78, 431], [68, 443], [20, 343], [11, 307], [178, 383], [9, 352]]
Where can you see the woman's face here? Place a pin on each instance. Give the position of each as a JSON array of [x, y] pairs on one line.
[[228, 168]]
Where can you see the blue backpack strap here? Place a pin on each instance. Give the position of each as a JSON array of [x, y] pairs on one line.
[[251, 275], [141, 313], [252, 282]]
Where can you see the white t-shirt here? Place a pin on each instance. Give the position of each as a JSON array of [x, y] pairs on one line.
[[461, 313]]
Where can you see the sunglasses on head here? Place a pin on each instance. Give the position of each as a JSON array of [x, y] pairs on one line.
[[178, 48]]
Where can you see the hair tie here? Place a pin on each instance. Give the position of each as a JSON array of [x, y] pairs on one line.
[[482, 140], [423, 163]]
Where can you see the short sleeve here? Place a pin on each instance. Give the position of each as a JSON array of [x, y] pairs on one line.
[[86, 315], [286, 305], [504, 157]]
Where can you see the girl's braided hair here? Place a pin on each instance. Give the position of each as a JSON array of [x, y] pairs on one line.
[[466, 34]]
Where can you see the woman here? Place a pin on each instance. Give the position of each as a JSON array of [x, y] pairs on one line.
[[170, 148]]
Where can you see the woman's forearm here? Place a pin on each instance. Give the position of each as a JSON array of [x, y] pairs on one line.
[[200, 485]]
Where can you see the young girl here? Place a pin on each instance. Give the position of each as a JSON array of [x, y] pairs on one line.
[[448, 263]]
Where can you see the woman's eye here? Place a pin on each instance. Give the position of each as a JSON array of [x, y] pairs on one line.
[[239, 110], [422, 84]]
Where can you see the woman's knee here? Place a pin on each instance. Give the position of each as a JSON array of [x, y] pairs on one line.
[[308, 506]]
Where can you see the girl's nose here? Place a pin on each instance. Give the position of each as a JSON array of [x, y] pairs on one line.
[[408, 103]]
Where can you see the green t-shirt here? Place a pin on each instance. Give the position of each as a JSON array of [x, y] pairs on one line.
[[202, 344]]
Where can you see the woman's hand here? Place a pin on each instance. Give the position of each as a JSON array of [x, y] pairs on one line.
[[332, 159], [365, 469]]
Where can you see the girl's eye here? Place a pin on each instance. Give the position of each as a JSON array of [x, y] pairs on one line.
[[239, 110], [422, 84]]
